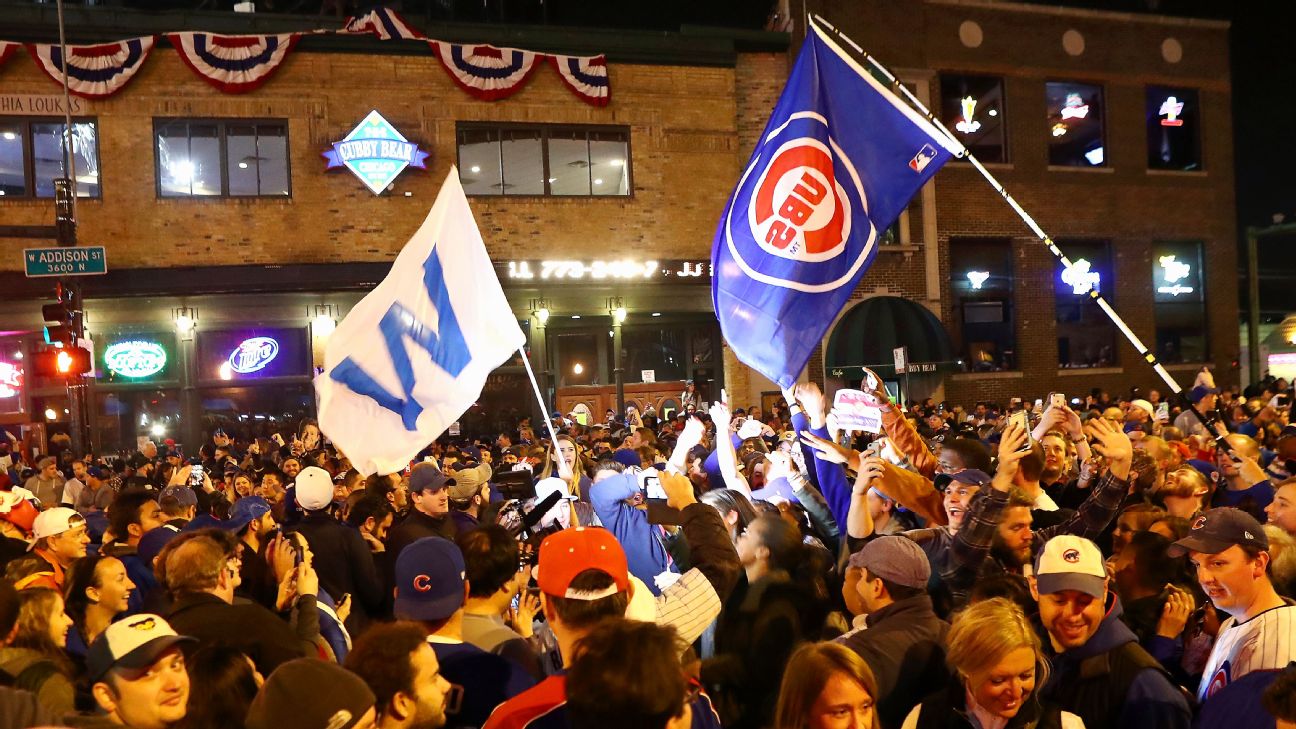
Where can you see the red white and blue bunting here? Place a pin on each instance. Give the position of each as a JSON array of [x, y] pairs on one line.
[[235, 64], [586, 76], [486, 72], [97, 71], [384, 23]]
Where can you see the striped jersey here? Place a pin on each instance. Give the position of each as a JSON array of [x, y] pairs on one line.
[[1266, 642]]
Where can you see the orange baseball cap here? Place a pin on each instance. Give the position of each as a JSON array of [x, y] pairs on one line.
[[568, 553]]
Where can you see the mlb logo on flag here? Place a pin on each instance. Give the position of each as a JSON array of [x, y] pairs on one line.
[[923, 158]]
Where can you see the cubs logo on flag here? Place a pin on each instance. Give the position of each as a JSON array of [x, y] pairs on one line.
[[235, 64], [839, 160], [95, 71], [384, 23], [484, 71], [586, 76]]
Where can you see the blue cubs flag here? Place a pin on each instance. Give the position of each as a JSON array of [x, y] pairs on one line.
[[837, 163]]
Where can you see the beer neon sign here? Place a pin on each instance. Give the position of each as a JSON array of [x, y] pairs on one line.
[[135, 358], [253, 354]]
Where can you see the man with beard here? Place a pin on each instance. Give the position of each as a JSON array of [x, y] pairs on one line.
[[401, 668], [1099, 672]]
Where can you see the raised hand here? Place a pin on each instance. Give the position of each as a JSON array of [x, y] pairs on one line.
[[1112, 444], [826, 450]]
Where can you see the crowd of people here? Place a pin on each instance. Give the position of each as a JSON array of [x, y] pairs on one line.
[[1096, 561]]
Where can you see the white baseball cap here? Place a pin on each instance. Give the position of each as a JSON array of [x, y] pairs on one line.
[[550, 485], [1068, 562], [54, 522], [314, 488], [134, 642], [1145, 406]]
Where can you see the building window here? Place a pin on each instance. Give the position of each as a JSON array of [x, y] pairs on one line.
[[973, 108], [221, 158], [1173, 129], [1179, 295], [31, 157], [1075, 124], [1086, 337], [509, 159], [981, 281]]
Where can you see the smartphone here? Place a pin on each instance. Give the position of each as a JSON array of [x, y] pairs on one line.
[[1022, 420], [1057, 400], [871, 382], [652, 488], [196, 475]]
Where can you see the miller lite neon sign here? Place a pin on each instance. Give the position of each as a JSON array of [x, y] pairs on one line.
[[253, 354], [11, 379]]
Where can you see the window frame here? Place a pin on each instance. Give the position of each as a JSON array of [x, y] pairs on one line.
[[1197, 130], [1160, 247], [1002, 118], [1075, 250], [1048, 130], [545, 130], [222, 124], [1006, 296], [29, 154]]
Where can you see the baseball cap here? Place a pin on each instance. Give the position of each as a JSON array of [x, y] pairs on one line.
[[1288, 431], [566, 554], [54, 522], [95, 471], [553, 484], [17, 511], [1201, 391], [627, 457], [429, 580], [1219, 529], [894, 559], [971, 476], [245, 510], [468, 481], [134, 642], [1145, 406], [1068, 562], [292, 697], [151, 544], [314, 488], [184, 495], [426, 477]]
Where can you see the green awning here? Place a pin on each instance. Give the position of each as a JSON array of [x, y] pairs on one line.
[[866, 336]]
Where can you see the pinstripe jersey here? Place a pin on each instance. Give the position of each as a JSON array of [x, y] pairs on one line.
[[1266, 642]]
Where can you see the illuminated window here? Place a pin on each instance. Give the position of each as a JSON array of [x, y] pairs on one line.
[[513, 159], [1074, 125], [31, 157], [1173, 129], [221, 158], [1179, 295], [973, 108], [1085, 336], [981, 284]]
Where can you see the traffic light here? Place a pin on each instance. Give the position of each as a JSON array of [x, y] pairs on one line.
[[62, 362], [63, 319]]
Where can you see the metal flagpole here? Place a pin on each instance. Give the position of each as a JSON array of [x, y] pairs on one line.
[[535, 387], [1094, 294]]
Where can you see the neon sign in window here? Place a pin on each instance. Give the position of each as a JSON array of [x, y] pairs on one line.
[[11, 379], [1080, 278], [135, 358], [253, 354]]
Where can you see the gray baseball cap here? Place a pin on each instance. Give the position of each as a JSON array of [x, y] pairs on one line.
[[894, 559]]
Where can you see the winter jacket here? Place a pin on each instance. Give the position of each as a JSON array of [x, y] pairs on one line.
[[904, 646]]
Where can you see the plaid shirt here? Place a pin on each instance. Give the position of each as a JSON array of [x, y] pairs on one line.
[[958, 558]]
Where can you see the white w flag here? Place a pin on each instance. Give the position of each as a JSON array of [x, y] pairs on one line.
[[413, 355]]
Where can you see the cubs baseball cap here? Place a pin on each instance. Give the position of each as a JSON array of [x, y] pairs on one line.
[[1199, 392], [183, 495], [566, 554], [430, 576], [426, 477], [134, 642], [1068, 562], [314, 488], [53, 522], [971, 477], [95, 471], [895, 559], [245, 510], [1219, 529]]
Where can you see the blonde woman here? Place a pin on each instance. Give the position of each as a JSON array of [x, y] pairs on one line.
[[996, 662], [827, 686]]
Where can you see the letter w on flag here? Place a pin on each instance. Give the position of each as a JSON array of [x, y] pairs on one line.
[[413, 355], [837, 163]]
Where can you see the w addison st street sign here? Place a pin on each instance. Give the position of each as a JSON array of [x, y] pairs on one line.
[[65, 261]]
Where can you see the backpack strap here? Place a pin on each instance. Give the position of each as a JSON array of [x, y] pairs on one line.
[[34, 676]]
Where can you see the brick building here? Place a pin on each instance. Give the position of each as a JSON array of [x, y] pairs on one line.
[[235, 258], [1135, 181], [1115, 184]]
